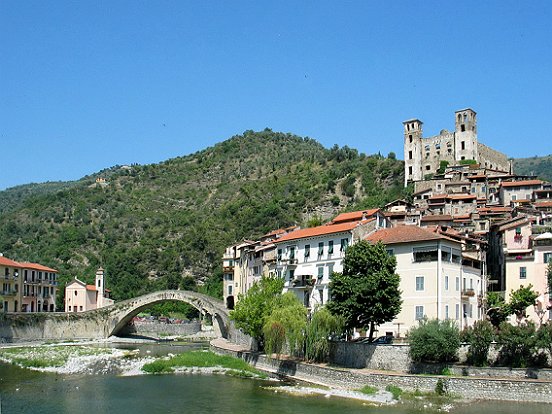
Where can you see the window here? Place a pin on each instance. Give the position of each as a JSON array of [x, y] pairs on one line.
[[446, 311], [547, 257], [471, 311], [229, 290], [425, 254], [307, 250], [330, 247], [514, 197], [279, 254], [69, 308], [320, 272], [409, 170], [446, 283], [80, 308], [457, 311], [344, 245], [428, 167], [320, 248], [457, 284], [390, 252], [419, 313], [321, 295], [291, 274], [76, 293], [409, 155], [419, 283], [518, 229], [330, 269], [292, 253], [523, 272], [410, 138], [463, 144]]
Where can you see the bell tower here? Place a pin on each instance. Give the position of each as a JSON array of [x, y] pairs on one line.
[[412, 150], [465, 135]]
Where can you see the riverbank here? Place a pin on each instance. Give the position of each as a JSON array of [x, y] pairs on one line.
[[468, 388]]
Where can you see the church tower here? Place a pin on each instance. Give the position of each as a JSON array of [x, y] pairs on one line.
[[100, 288], [412, 150]]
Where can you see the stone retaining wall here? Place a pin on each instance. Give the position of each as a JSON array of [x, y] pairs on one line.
[[163, 329], [471, 388], [395, 358]]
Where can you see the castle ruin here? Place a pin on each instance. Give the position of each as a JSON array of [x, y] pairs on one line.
[[425, 157]]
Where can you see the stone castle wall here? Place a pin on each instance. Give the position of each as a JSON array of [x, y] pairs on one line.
[[493, 159]]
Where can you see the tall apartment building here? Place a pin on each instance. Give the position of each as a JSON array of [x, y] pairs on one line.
[[27, 287], [423, 155]]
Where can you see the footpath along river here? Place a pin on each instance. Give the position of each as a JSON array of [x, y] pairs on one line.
[[24, 391]]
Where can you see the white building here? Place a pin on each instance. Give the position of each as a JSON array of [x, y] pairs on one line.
[[306, 258], [437, 282]]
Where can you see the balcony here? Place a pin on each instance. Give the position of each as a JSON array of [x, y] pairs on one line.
[[228, 269], [9, 293], [303, 282], [468, 293]]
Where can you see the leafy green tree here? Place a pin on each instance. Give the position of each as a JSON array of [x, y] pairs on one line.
[[520, 300], [252, 310], [497, 309], [434, 341], [519, 344], [549, 276], [367, 293], [285, 326], [544, 338], [320, 328], [480, 336]]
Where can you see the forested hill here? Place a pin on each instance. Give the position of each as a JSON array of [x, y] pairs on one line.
[[539, 166], [149, 226]]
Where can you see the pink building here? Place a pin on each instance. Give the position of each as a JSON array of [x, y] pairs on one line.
[[80, 297]]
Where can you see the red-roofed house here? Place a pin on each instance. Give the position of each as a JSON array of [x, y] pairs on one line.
[[511, 191], [435, 280], [80, 297], [27, 287]]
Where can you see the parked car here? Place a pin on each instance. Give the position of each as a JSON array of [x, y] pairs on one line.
[[383, 340]]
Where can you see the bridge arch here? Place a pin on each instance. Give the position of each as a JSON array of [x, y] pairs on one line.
[[121, 313]]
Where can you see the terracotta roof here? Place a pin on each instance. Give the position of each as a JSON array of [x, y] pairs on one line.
[[520, 183], [4, 261], [404, 234], [91, 287], [462, 197], [320, 231], [543, 204], [438, 196], [354, 215], [37, 266], [437, 217]]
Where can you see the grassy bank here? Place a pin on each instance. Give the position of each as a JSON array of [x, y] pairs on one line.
[[203, 359]]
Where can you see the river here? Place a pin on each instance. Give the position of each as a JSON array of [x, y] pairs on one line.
[[23, 391]]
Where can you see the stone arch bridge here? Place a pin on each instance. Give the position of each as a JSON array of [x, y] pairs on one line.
[[105, 322]]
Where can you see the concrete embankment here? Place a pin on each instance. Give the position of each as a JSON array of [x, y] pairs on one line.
[[505, 389]]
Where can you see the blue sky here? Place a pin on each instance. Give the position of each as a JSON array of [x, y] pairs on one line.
[[90, 84]]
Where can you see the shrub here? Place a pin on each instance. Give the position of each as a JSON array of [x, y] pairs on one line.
[[480, 337], [396, 391], [368, 390], [519, 345], [434, 341], [441, 388], [544, 337]]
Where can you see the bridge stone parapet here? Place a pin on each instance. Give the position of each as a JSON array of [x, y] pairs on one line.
[[104, 322]]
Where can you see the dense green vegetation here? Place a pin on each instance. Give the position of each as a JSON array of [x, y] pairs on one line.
[[539, 166], [152, 225], [434, 341]]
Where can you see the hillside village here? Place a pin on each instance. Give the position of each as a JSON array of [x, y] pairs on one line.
[[472, 226]]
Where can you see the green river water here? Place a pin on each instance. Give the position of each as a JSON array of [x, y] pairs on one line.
[[23, 391]]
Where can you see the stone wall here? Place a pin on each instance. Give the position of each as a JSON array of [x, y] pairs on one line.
[[472, 388], [493, 159], [395, 358], [163, 329]]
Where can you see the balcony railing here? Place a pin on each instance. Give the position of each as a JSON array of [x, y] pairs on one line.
[[9, 293], [468, 293], [228, 269], [303, 282]]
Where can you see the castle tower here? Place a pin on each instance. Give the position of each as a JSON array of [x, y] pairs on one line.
[[465, 135], [100, 287], [412, 150]]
